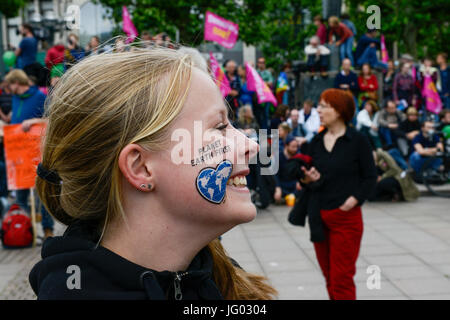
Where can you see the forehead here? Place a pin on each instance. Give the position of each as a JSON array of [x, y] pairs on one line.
[[204, 99]]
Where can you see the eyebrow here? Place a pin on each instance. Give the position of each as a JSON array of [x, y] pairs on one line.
[[222, 111]]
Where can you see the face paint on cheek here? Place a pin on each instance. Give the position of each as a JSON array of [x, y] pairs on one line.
[[208, 152], [211, 183]]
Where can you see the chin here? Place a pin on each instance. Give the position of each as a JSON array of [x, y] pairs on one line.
[[240, 210], [249, 214]]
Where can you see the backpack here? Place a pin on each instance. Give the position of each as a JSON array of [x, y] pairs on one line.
[[17, 231]]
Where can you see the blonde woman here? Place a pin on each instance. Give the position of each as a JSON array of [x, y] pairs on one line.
[[246, 120], [140, 224]]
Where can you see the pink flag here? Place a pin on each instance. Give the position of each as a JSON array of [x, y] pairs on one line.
[[219, 76], [429, 92], [128, 26], [384, 52], [255, 83], [222, 31]]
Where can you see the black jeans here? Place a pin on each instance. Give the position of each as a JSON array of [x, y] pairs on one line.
[[315, 64]]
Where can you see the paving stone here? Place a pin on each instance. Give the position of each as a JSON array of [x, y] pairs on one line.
[[424, 286], [304, 292], [435, 257], [409, 272], [386, 289], [431, 297], [386, 249], [283, 266], [394, 260], [279, 279]]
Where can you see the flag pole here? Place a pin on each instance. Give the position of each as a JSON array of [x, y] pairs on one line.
[[33, 216]]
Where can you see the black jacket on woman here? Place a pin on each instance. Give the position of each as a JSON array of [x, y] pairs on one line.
[[348, 170], [107, 276]]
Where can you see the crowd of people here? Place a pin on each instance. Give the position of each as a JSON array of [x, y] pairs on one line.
[[400, 129], [333, 154], [341, 33], [397, 124]]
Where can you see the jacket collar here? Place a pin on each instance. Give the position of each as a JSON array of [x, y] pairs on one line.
[[83, 235], [349, 132], [28, 93]]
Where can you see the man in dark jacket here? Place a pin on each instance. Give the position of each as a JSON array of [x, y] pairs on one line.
[[366, 50], [347, 79]]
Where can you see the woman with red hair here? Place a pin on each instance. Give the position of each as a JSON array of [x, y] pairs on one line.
[[343, 176]]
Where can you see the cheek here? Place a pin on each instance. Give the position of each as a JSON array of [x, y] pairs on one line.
[[334, 115], [177, 182], [327, 115]]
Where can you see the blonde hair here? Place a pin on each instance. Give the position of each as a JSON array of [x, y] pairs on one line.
[[99, 106], [285, 126], [333, 21], [17, 76], [242, 111]]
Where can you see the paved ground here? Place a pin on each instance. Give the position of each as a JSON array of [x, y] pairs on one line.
[[410, 242]]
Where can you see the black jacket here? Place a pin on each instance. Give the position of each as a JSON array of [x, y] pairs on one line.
[[308, 204], [106, 275], [348, 170]]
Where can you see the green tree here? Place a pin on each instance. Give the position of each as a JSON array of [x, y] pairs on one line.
[[10, 8], [420, 27], [286, 29], [275, 26]]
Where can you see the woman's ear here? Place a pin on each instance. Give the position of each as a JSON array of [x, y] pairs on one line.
[[133, 163]]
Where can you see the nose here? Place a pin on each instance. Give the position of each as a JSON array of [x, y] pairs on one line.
[[245, 148], [252, 148], [319, 109]]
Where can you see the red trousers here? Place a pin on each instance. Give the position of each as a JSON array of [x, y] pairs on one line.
[[338, 253]]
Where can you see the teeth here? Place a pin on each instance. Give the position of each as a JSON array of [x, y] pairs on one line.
[[237, 181]]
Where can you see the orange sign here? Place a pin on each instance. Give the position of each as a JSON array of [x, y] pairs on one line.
[[22, 154]]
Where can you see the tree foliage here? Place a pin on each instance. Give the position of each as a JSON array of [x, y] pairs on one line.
[[275, 26], [10, 8], [420, 27]]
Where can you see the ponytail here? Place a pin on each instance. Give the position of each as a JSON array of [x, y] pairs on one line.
[[49, 193]]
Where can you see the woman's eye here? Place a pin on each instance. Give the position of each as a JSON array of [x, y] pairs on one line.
[[222, 127]]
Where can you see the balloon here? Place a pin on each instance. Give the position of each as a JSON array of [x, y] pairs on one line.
[[446, 131], [9, 58]]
